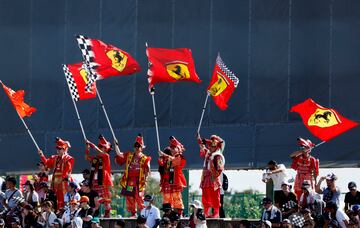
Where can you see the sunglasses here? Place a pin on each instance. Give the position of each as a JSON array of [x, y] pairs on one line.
[[59, 148]]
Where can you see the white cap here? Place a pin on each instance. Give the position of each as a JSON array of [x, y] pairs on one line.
[[197, 204]]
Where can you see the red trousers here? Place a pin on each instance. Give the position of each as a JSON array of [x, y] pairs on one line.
[[211, 199], [104, 194], [174, 198], [133, 201], [59, 187]]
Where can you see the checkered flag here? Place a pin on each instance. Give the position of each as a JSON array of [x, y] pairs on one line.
[[298, 220], [85, 45], [226, 70], [289, 205], [71, 83]]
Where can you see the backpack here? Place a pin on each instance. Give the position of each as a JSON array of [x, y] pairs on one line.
[[225, 182]]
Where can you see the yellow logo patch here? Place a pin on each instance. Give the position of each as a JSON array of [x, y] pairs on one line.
[[219, 86], [178, 70], [323, 118], [118, 59], [84, 75]]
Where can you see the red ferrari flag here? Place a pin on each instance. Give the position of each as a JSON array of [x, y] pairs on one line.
[[105, 60], [170, 65], [324, 123], [77, 77], [222, 84], [17, 99]]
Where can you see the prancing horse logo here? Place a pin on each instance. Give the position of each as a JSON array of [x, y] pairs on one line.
[[323, 118]]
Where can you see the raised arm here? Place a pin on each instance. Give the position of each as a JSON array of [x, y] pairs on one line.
[[117, 149]]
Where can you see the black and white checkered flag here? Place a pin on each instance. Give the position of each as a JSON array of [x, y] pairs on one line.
[[226, 70], [289, 205], [298, 220], [71, 83], [85, 46]]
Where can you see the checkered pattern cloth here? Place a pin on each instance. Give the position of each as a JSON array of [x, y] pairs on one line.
[[288, 205], [85, 46], [226, 70], [71, 83], [298, 220]]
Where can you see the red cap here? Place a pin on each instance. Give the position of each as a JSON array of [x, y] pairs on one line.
[[62, 144], [175, 143], [305, 143], [140, 140], [104, 143], [84, 199]]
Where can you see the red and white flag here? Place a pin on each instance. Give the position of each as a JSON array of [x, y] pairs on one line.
[[222, 84], [77, 78]]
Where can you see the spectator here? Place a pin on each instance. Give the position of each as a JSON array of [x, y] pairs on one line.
[[86, 212], [49, 195], [92, 195], [70, 213], [71, 193], [57, 223], [356, 209], [309, 221], [165, 223], [331, 192], [120, 223], [307, 198], [286, 224], [2, 223], [86, 174], [276, 172], [353, 220], [12, 193], [266, 224], [335, 214], [197, 218], [2, 199], [352, 197], [48, 216], [244, 224], [288, 203], [41, 176], [141, 222], [30, 195], [29, 217], [167, 209], [15, 222], [150, 212], [271, 213], [95, 222]]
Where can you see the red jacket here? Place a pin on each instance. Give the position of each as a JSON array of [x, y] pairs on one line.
[[178, 164], [106, 166], [64, 164]]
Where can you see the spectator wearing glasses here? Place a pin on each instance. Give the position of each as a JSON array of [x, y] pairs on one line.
[[137, 168], [100, 175], [352, 197], [62, 164]]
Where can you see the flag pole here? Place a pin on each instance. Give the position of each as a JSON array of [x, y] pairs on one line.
[[203, 112], [28, 130], [106, 115], [152, 92], [319, 143], [77, 112]]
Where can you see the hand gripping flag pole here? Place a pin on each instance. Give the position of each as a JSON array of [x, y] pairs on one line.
[[22, 120], [105, 113], [203, 111], [76, 110]]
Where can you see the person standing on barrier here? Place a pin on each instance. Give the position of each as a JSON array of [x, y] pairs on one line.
[[100, 175], [212, 152], [172, 182], [307, 166], [137, 168], [63, 164]]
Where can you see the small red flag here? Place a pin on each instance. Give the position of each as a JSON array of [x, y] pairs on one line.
[[17, 99], [105, 60], [77, 77], [170, 65], [322, 122], [222, 84]]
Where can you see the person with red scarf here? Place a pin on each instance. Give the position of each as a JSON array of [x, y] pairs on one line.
[[62, 165], [307, 166], [212, 152], [137, 168], [100, 175], [172, 182]]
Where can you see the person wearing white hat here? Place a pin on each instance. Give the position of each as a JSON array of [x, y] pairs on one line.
[[331, 192], [287, 203], [197, 218]]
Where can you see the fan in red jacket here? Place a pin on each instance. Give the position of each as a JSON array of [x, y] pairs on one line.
[[137, 168], [62, 165], [307, 166], [212, 152], [100, 175], [172, 182]]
